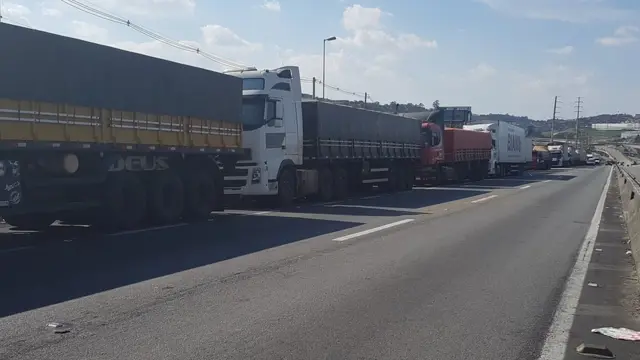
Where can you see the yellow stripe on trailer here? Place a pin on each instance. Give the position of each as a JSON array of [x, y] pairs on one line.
[[31, 121]]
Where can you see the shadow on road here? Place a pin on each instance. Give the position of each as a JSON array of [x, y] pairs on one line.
[[403, 203], [61, 271]]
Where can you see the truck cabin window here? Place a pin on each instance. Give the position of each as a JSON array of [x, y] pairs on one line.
[[253, 113], [426, 137], [430, 138]]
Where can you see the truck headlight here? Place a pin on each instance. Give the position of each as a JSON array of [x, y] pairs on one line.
[[256, 175]]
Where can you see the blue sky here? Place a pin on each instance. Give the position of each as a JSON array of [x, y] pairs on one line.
[[498, 56]]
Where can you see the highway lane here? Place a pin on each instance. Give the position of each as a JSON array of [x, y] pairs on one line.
[[470, 269]]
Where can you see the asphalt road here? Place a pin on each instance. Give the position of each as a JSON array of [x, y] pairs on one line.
[[465, 272]]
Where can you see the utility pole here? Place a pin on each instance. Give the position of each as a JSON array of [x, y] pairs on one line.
[[313, 93], [365, 100], [553, 119], [578, 108]]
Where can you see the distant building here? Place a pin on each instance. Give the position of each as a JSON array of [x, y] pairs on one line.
[[618, 126]]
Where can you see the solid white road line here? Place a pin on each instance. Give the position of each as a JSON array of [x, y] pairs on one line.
[[370, 231], [546, 181], [525, 187], [484, 199], [555, 343]]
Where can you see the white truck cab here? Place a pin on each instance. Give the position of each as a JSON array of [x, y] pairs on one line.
[[559, 155], [272, 129]]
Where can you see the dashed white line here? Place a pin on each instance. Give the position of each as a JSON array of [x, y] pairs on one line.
[[137, 231], [525, 187], [262, 213], [546, 181], [16, 249], [370, 197], [484, 199], [555, 344], [370, 231]]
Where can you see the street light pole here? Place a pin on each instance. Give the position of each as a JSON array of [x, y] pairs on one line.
[[324, 56]]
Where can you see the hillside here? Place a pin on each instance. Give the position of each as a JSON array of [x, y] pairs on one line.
[[540, 126]]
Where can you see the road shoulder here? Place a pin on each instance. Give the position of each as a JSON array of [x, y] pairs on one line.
[[611, 293]]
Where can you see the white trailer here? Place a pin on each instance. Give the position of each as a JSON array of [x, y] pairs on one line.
[[528, 144], [511, 149]]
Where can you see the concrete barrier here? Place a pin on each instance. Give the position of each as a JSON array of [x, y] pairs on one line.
[[630, 197]]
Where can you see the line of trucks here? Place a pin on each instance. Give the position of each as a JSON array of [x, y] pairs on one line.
[[556, 154], [91, 134]]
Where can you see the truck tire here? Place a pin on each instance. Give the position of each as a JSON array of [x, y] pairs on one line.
[[325, 186], [33, 222], [286, 187], [124, 202], [409, 178], [199, 196], [340, 183], [165, 197], [392, 180]]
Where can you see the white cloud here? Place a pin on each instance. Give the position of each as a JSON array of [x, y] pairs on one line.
[[89, 32], [366, 30], [482, 72], [575, 11], [622, 36], [565, 50], [15, 13], [51, 12], [271, 6]]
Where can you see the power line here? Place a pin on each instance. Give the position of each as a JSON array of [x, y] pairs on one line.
[[94, 10], [336, 88]]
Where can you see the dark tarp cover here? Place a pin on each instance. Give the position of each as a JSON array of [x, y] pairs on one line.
[[40, 66]]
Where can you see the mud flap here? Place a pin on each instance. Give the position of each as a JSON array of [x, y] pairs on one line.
[[10, 184]]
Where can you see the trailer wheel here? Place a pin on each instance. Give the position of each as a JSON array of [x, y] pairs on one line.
[[34, 222], [392, 180], [340, 183], [124, 202], [199, 196], [166, 197], [409, 178], [326, 184], [286, 187]]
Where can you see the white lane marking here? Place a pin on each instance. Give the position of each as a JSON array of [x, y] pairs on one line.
[[525, 187], [556, 341], [484, 199], [261, 213], [137, 231], [370, 197], [16, 249], [328, 203], [545, 181], [370, 231]]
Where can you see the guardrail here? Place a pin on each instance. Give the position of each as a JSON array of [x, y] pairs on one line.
[[629, 187]]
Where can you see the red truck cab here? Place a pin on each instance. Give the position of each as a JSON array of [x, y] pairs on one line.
[[433, 150]]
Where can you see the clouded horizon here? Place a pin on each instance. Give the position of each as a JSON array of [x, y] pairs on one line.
[[498, 56]]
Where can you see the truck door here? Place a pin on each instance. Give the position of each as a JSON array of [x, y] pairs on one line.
[[275, 135]]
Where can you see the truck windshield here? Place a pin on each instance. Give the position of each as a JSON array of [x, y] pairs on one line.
[[253, 112]]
